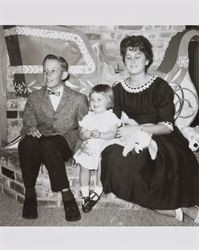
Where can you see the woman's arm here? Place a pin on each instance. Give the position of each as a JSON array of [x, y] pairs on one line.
[[155, 129]]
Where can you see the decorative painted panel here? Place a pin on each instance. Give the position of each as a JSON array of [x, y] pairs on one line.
[[175, 70], [28, 45]]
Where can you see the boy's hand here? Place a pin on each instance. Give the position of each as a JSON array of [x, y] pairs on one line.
[[34, 132]]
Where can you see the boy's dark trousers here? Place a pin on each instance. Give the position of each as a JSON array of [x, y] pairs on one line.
[[52, 151]]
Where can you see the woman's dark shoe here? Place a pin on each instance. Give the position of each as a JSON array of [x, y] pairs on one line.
[[94, 198], [196, 220], [30, 208], [71, 210], [86, 205]]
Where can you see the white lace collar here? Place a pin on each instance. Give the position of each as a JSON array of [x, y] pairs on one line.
[[140, 88]]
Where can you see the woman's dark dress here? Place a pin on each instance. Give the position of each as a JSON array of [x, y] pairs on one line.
[[172, 179]]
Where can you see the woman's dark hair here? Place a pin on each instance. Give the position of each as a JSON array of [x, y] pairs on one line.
[[137, 42], [105, 90], [60, 59]]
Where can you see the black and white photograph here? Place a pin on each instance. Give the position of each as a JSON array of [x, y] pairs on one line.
[[99, 118]]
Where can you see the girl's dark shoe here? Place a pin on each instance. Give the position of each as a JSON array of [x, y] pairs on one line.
[[30, 208], [71, 210], [86, 205], [94, 198]]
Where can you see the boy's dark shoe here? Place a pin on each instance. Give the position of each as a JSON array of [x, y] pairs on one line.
[[86, 205], [71, 210], [30, 208]]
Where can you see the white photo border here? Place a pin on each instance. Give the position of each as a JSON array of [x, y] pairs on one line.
[[99, 12]]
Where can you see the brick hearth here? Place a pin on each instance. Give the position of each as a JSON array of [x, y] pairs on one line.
[[11, 183]]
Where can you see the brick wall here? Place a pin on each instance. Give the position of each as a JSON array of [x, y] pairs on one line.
[[107, 40], [11, 183], [110, 37]]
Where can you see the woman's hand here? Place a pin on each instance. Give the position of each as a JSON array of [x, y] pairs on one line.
[[126, 130]]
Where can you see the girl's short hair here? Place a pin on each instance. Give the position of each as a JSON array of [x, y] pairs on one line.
[[60, 59], [137, 42], [105, 90]]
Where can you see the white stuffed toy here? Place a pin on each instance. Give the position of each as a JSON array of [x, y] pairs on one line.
[[139, 141], [192, 135], [125, 120]]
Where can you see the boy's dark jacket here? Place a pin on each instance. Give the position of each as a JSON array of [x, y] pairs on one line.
[[39, 113]]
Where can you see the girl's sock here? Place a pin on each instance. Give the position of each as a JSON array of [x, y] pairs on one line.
[[98, 191], [85, 191]]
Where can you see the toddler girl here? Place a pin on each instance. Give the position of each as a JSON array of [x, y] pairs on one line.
[[99, 125]]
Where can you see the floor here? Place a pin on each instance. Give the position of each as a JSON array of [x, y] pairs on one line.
[[102, 228], [10, 215]]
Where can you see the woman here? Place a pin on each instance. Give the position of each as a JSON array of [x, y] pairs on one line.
[[170, 183]]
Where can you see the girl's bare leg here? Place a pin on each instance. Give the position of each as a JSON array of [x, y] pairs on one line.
[[84, 179], [84, 176], [98, 180], [98, 188]]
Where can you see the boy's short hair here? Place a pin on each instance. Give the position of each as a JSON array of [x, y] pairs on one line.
[[107, 91], [60, 59]]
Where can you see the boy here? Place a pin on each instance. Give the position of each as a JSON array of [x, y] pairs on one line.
[[50, 132]]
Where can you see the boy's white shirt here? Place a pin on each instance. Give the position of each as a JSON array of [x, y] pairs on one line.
[[55, 100]]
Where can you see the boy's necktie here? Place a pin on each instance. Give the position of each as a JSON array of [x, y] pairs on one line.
[[50, 92]]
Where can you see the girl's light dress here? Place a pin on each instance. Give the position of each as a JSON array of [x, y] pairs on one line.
[[89, 155]]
